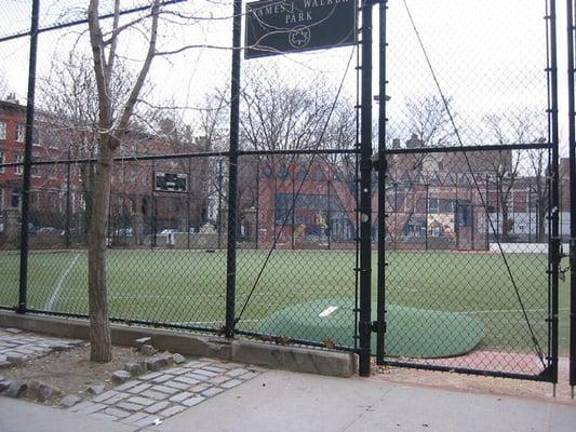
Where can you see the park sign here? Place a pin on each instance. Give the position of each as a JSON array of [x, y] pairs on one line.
[[277, 27]]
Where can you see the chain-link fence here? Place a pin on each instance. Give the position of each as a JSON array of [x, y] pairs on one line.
[[471, 187], [263, 234]]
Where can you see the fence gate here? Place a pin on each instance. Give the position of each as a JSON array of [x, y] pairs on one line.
[[469, 211]]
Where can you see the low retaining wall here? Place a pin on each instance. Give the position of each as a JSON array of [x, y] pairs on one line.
[[296, 359]]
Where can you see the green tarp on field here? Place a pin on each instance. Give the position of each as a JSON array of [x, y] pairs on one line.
[[411, 332]]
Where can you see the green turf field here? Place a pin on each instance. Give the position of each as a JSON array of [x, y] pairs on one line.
[[173, 286]]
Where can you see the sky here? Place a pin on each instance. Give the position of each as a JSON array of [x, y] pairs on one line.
[[489, 56]]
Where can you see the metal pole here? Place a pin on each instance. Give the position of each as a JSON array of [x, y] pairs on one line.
[[189, 204], [472, 217], [292, 216], [68, 203], [154, 241], [26, 177], [233, 170], [572, 163], [555, 252], [529, 215], [456, 217], [427, 212], [219, 222], [486, 214], [257, 224], [365, 322], [329, 216], [497, 209], [395, 213], [381, 269]]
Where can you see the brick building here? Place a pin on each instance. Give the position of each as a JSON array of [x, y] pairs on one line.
[[433, 201], [60, 193]]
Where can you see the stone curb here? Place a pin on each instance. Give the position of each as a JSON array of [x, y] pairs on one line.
[[296, 359]]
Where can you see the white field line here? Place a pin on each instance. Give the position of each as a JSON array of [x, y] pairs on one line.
[[58, 288], [491, 311]]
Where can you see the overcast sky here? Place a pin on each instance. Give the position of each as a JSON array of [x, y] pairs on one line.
[[489, 55]]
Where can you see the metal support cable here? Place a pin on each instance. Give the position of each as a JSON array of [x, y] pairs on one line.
[[536, 344]]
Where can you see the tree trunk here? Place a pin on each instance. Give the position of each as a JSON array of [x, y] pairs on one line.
[[100, 338]]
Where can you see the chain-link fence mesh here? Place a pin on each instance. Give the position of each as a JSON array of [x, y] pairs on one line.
[[468, 234], [467, 254]]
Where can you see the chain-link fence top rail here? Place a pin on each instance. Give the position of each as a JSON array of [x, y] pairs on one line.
[[453, 91]]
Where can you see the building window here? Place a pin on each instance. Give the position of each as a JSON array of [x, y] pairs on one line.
[[1, 161], [20, 133], [2, 130], [19, 169], [15, 198]]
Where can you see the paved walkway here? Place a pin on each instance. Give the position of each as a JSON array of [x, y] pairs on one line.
[[284, 401], [18, 346], [151, 398]]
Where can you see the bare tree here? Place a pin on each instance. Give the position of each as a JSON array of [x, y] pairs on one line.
[[530, 126], [69, 107], [503, 166], [281, 117], [538, 162], [425, 123], [276, 117], [428, 119], [112, 127]]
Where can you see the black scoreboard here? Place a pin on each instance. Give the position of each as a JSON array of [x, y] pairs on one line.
[[170, 182]]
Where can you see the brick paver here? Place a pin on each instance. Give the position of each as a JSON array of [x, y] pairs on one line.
[[150, 398], [17, 346]]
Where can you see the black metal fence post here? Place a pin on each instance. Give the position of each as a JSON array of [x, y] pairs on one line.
[[427, 213], [233, 170], [293, 211], [487, 214], [365, 322], [472, 220], [382, 165], [554, 240], [570, 10], [257, 222], [220, 186], [68, 203], [26, 177], [329, 216], [529, 215], [189, 204]]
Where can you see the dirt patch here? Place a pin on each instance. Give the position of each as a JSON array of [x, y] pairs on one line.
[[71, 372], [479, 384]]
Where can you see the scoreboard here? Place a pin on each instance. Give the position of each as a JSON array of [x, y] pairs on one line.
[[170, 182]]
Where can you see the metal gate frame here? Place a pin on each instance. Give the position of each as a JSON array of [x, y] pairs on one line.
[[571, 38], [550, 372]]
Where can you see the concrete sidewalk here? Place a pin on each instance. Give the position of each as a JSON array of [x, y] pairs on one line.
[[284, 401]]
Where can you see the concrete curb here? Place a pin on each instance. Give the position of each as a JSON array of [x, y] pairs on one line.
[[295, 359]]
